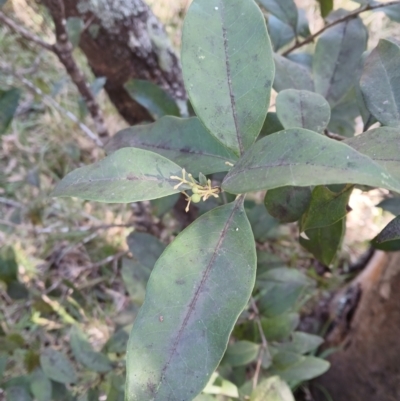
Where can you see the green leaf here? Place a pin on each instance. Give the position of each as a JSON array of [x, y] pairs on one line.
[[389, 238], [272, 389], [391, 205], [281, 34], [184, 141], [9, 100], [41, 387], [326, 7], [145, 248], [287, 204], [393, 12], [153, 98], [301, 369], [279, 328], [323, 200], [3, 365], [336, 59], [60, 392], [271, 125], [241, 353], [91, 395], [17, 290], [303, 28], [164, 205], [291, 75], [301, 343], [84, 353], [380, 82], [57, 367], [117, 343], [343, 115], [74, 27], [303, 109], [135, 277], [17, 394], [228, 68], [280, 289], [128, 175], [184, 331], [8, 265], [285, 10], [263, 225], [324, 242], [382, 145], [291, 157]]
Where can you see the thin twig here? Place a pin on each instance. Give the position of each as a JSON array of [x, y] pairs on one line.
[[336, 137], [345, 18], [10, 202], [108, 260], [17, 28], [53, 103], [63, 50], [264, 343]]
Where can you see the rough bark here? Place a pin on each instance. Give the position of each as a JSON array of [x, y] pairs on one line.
[[367, 331], [124, 40]]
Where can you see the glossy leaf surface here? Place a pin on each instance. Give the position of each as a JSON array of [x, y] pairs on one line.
[[128, 175], [337, 56], [198, 288], [57, 367], [228, 68], [40, 386], [280, 33], [84, 353], [303, 109], [8, 105], [324, 242], [326, 207], [296, 368], [153, 98], [271, 125], [241, 353], [291, 157], [326, 7], [280, 289], [272, 389], [184, 141], [287, 204], [285, 10], [391, 205], [380, 82], [291, 75], [389, 238], [145, 248], [382, 145]]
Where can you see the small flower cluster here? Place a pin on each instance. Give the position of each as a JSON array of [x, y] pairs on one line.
[[200, 190]]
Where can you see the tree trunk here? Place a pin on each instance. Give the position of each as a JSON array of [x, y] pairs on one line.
[[123, 40], [367, 330]]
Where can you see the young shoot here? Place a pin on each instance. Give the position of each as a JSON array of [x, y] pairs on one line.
[[199, 191]]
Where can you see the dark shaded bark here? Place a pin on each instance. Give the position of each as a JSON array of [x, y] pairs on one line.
[[367, 331], [124, 40]]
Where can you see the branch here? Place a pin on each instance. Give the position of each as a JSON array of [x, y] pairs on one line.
[[345, 18], [63, 50], [336, 137], [52, 103], [24, 32]]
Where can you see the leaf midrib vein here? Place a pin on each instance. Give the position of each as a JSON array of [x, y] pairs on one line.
[[195, 298]]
